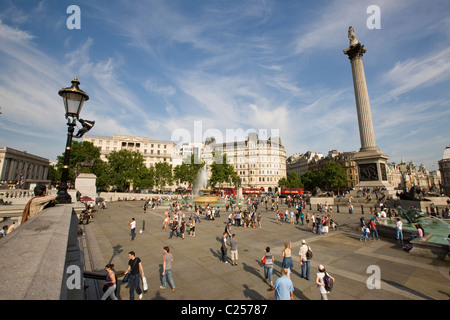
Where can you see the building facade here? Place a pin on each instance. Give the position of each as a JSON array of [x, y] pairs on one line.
[[406, 175], [400, 176], [22, 169], [153, 151], [260, 164], [314, 161]]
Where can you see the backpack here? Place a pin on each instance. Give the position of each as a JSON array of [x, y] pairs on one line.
[[309, 254], [328, 282]]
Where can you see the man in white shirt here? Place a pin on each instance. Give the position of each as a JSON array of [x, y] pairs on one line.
[[304, 261], [132, 224]]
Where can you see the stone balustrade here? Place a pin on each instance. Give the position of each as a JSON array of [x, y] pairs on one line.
[[41, 259]]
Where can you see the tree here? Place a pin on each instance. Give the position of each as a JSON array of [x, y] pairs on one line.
[[335, 176], [292, 181], [163, 174], [222, 172], [126, 168], [80, 152], [187, 171], [313, 179], [102, 171]]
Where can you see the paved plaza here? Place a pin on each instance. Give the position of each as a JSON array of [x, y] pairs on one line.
[[199, 274]]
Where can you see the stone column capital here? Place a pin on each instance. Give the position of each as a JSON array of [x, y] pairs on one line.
[[355, 51]]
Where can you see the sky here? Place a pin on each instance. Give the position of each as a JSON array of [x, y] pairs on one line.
[[159, 68]]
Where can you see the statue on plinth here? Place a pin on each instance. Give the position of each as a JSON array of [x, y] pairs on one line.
[[352, 36]]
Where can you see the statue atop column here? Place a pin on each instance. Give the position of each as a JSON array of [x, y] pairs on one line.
[[352, 36]]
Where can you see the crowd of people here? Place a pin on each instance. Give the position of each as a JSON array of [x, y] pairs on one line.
[[283, 286]]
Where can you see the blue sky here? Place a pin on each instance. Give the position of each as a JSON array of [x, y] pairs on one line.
[[154, 67]]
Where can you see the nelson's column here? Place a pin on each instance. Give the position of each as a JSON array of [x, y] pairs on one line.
[[372, 165]]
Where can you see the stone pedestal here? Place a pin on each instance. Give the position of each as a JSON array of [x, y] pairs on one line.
[[85, 184], [372, 169]]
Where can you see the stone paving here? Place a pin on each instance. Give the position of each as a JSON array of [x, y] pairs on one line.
[[199, 275]]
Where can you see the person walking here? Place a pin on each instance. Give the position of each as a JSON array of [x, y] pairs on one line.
[[268, 261], [224, 248], [166, 275], [174, 228], [287, 258], [110, 283], [182, 228], [228, 230], [135, 271], [166, 220], [304, 260], [320, 281], [234, 250], [132, 224], [284, 288], [192, 227]]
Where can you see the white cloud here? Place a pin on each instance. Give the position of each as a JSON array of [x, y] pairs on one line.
[[418, 72]]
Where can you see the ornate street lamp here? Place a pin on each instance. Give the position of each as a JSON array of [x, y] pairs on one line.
[[74, 99]]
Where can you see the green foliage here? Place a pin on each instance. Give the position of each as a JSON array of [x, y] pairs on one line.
[[292, 181], [163, 174], [335, 176], [126, 169], [222, 172], [187, 171], [331, 178], [312, 179], [80, 152]]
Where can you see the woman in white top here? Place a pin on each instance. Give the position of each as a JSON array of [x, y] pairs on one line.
[[398, 228], [321, 283]]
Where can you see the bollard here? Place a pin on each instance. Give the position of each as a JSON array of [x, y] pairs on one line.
[[362, 209], [337, 208]]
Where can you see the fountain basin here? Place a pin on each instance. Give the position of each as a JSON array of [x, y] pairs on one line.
[[432, 245], [206, 197]]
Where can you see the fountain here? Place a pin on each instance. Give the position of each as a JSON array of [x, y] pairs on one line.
[[433, 244], [201, 194]]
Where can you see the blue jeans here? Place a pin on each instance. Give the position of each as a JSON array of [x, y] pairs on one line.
[[268, 273], [319, 229], [305, 264], [134, 284], [173, 231], [374, 232], [399, 235], [168, 275]]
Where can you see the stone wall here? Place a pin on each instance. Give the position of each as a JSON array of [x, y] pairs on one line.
[[41, 259]]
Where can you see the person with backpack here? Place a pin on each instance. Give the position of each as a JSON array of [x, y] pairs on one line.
[[324, 282], [305, 254]]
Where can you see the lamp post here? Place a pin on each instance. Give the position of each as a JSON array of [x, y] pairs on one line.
[[74, 99]]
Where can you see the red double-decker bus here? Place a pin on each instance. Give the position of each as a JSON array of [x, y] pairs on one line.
[[291, 192], [229, 191], [252, 191]]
